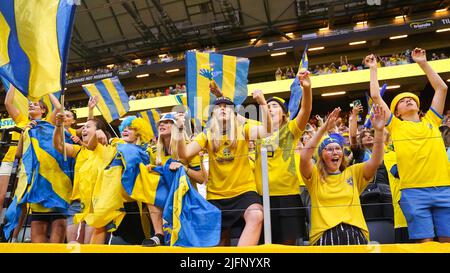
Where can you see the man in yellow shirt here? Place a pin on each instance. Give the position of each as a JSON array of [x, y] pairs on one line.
[[422, 160]]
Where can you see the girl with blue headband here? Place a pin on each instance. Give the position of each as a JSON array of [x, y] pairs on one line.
[[336, 214]]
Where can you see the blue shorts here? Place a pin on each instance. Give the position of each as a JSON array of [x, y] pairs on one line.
[[427, 210], [74, 208]]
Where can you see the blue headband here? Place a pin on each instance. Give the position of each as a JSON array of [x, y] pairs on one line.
[[332, 138]]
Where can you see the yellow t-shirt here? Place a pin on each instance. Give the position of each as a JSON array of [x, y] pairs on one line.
[[89, 166], [282, 168], [229, 168], [390, 159], [21, 121], [336, 200], [421, 155]]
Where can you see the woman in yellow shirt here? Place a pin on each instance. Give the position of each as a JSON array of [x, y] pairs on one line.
[[336, 214], [165, 149], [231, 184], [88, 154], [287, 212], [422, 161]]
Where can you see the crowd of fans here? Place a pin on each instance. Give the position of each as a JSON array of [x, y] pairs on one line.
[[325, 164], [345, 66]]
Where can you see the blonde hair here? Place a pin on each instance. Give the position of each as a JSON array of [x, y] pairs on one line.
[[217, 133], [172, 146], [322, 168]]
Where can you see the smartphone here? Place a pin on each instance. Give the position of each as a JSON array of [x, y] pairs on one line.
[[356, 103]]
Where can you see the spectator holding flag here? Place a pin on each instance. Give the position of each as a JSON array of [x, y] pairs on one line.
[[287, 214], [231, 185], [424, 177]]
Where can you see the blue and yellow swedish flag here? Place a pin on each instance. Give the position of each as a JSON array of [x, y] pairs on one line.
[[296, 89], [34, 43], [152, 116], [228, 72], [140, 184], [191, 221], [45, 178], [367, 122], [113, 100]]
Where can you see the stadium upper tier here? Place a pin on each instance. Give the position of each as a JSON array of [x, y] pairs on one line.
[[321, 84]]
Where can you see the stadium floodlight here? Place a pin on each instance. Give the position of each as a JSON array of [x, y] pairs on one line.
[[393, 86], [441, 10], [277, 54], [324, 29], [443, 30], [357, 43], [252, 40], [142, 76], [333, 94], [172, 70], [316, 48], [398, 37]]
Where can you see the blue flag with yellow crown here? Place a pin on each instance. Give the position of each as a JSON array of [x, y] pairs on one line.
[[229, 73]]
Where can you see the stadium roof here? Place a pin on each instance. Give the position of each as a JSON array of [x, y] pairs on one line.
[[112, 31]]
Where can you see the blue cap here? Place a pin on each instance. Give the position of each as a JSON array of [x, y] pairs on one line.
[[168, 116], [332, 138]]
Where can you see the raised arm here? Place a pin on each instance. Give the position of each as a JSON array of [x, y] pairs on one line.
[[185, 151], [439, 86], [257, 132], [9, 103], [378, 122], [306, 166], [353, 124], [306, 106], [371, 62], [58, 137], [91, 105], [57, 107]]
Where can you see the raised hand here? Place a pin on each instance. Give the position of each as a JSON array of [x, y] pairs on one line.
[[370, 60], [305, 80], [258, 96], [215, 90], [356, 110], [378, 118], [75, 139], [60, 118], [419, 55], [92, 102], [101, 137], [180, 119], [330, 123]]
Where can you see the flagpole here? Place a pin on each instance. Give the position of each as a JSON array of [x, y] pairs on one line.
[[112, 129], [62, 127]]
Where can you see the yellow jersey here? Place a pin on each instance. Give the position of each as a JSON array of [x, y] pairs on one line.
[[281, 161], [229, 168], [421, 156], [390, 159], [21, 121], [336, 200]]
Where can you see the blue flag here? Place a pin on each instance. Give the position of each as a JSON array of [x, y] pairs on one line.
[[34, 43], [113, 100], [367, 122], [229, 73], [45, 178], [296, 89], [191, 221]]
